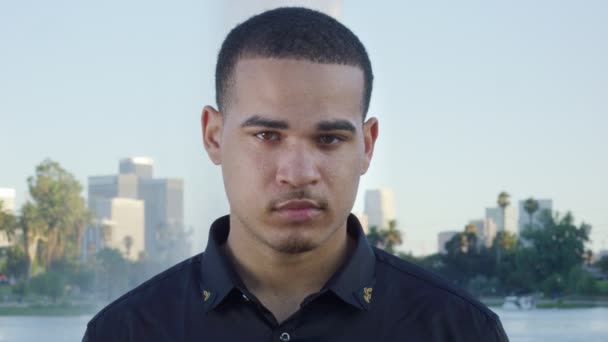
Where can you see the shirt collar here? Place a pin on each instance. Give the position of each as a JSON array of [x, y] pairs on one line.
[[218, 278], [352, 283]]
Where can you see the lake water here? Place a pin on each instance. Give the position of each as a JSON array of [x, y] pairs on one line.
[[589, 325], [555, 325]]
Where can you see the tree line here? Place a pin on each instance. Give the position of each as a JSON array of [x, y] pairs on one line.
[[549, 257], [45, 236]]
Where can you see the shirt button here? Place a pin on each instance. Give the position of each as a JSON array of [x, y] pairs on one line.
[[284, 337]]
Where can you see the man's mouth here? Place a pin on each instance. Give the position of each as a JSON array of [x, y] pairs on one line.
[[298, 210]]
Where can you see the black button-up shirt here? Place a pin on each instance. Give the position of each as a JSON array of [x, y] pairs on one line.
[[374, 296]]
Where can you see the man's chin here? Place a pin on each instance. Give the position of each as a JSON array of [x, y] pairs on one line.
[[294, 246]]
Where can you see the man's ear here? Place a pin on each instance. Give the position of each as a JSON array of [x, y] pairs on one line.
[[370, 134], [212, 123]]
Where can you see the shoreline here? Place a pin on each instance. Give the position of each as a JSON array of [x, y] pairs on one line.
[[573, 303], [89, 309], [61, 309]]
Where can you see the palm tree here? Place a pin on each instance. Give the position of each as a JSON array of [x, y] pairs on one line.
[[8, 223], [392, 236], [531, 206], [470, 235], [58, 204], [374, 237], [32, 234], [503, 202]]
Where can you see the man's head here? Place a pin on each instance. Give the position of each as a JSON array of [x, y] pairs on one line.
[[293, 86], [294, 33]]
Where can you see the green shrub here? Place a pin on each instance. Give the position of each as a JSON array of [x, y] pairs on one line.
[[51, 284], [601, 287]]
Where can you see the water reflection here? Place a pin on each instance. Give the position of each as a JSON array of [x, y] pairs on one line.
[[587, 325], [48, 329], [556, 325]]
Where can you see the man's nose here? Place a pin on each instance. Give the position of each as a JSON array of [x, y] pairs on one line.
[[297, 167]]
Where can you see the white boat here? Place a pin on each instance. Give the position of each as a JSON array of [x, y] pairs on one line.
[[519, 303]]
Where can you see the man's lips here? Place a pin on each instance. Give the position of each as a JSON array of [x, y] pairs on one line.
[[297, 205], [298, 210]]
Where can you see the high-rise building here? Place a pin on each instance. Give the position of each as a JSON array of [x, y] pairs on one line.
[[104, 187], [479, 231], [495, 216], [119, 224], [363, 220], [7, 197], [140, 166], [443, 238], [164, 210], [94, 237], [544, 205], [165, 238], [485, 231], [490, 229], [379, 207], [7, 205]]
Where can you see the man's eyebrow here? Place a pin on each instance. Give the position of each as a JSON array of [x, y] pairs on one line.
[[260, 121], [336, 125]]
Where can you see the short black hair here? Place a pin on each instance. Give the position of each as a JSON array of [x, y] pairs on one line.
[[292, 32]]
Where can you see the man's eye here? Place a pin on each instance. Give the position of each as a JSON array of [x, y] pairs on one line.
[[329, 139], [267, 136]]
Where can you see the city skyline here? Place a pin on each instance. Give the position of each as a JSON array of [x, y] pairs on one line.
[[379, 207], [148, 209], [382, 211], [471, 100]]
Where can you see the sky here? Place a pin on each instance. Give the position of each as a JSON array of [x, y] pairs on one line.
[[473, 98]]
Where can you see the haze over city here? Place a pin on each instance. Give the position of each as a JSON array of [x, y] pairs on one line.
[[472, 100]]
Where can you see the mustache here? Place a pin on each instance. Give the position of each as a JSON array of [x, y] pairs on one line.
[[299, 195]]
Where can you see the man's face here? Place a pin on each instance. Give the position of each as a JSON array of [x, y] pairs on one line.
[[292, 145]]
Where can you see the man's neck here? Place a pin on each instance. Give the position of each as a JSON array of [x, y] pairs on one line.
[[279, 280]]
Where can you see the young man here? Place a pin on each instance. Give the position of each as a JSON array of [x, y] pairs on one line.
[[290, 263]]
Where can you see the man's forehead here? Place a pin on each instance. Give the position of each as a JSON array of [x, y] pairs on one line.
[[297, 77], [296, 74], [275, 87]]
